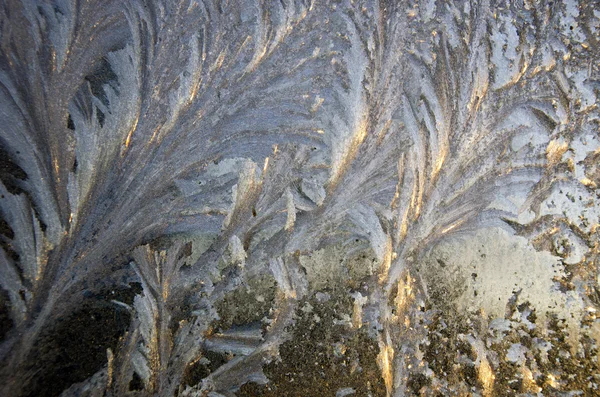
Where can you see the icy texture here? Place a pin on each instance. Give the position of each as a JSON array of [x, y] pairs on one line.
[[195, 147]]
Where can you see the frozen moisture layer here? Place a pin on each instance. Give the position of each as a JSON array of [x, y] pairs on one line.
[[485, 270], [267, 198]]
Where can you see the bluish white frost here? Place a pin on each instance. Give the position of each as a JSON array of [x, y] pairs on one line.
[[297, 136], [516, 353], [346, 391]]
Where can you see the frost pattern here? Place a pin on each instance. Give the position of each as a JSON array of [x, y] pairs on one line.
[[277, 128]]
